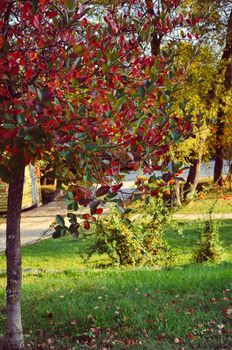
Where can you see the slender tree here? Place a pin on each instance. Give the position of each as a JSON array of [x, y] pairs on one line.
[[83, 95]]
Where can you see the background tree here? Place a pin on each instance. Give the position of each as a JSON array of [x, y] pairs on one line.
[[192, 103], [216, 33]]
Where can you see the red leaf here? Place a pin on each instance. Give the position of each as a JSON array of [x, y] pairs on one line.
[[99, 211], [37, 22], [87, 225], [102, 191], [115, 188], [154, 193], [85, 216]]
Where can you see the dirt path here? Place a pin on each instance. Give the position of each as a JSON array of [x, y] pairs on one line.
[[202, 216], [35, 223]]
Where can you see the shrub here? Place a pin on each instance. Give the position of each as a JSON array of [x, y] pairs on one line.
[[134, 238], [209, 247]]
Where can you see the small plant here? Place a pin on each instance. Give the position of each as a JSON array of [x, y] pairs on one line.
[[209, 247], [135, 241]]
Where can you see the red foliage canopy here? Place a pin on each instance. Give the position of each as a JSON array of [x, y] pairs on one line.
[[83, 92]]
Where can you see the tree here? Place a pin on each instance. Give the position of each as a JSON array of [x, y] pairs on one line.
[[215, 27], [225, 69], [161, 30], [192, 103], [85, 97]]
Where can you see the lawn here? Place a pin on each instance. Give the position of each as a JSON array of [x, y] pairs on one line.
[[69, 303], [221, 205], [210, 197]]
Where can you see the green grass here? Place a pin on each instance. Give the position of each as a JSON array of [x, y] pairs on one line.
[[220, 199], [68, 302], [202, 206], [184, 236]]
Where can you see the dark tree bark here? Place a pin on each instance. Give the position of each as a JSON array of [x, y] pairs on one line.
[[156, 37], [226, 70], [155, 44], [193, 177], [14, 267], [219, 152]]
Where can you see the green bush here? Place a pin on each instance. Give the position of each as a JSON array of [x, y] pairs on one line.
[[134, 238], [209, 247]]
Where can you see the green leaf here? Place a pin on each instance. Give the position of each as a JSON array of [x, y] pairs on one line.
[[60, 220], [152, 179], [74, 206], [92, 147], [28, 137], [106, 161], [40, 94], [81, 136], [78, 49], [127, 221], [73, 229], [105, 68], [70, 195], [71, 106], [140, 91], [70, 4], [127, 211], [56, 101], [20, 119], [72, 218], [82, 109], [120, 209], [119, 103], [77, 62], [8, 126]]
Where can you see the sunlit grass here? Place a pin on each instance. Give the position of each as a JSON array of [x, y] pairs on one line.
[[66, 299]]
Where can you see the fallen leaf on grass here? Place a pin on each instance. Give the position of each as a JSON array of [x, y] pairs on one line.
[[73, 322], [159, 338], [228, 312], [129, 341], [177, 340]]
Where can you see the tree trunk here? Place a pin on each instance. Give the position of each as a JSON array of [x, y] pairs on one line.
[[14, 267], [226, 71], [177, 196], [219, 154], [193, 176]]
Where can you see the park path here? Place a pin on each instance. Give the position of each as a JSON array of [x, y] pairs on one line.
[[35, 223]]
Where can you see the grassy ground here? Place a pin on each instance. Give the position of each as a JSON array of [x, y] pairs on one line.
[[210, 196], [71, 304], [221, 204]]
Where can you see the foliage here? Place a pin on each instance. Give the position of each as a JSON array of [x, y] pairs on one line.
[[212, 134], [193, 101], [86, 104], [135, 238]]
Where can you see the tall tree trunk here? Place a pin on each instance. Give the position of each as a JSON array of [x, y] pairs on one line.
[[226, 71], [219, 153], [14, 266], [193, 176]]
